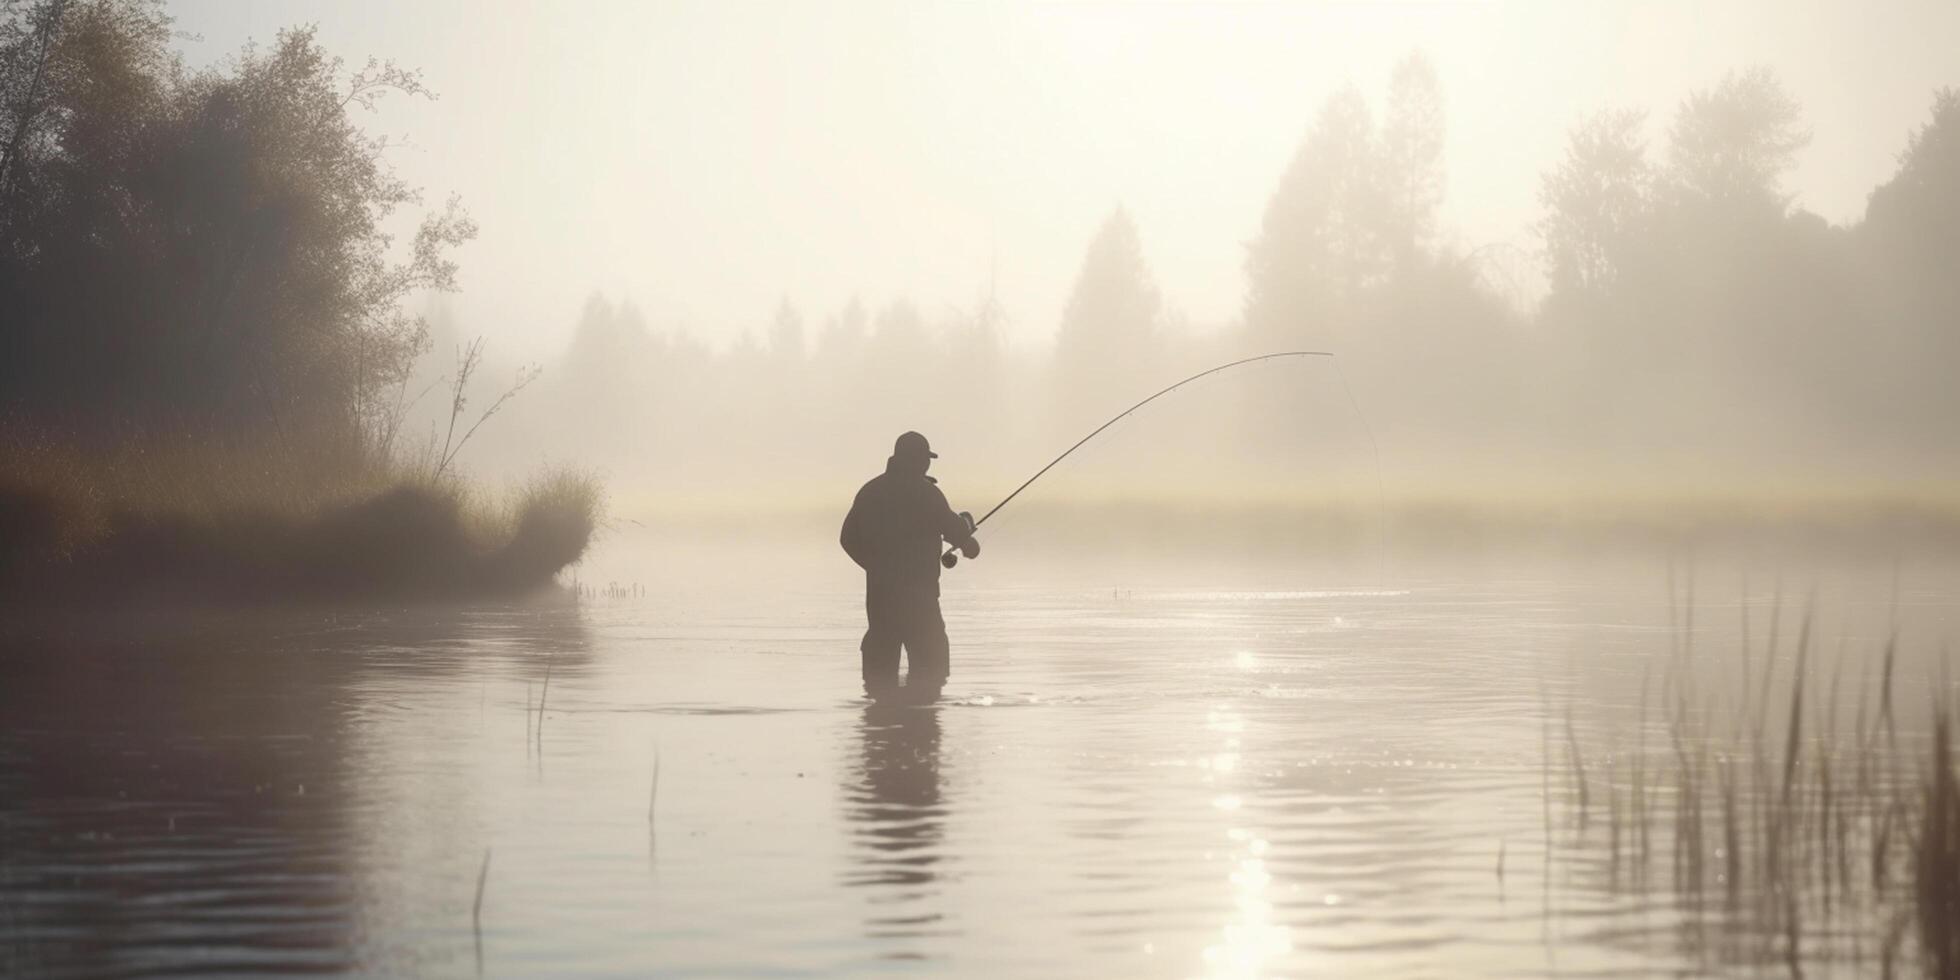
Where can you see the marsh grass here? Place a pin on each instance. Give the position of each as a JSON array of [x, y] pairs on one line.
[[1794, 839], [234, 521]]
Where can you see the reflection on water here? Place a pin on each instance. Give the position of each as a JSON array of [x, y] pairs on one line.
[[177, 790], [898, 820], [1252, 940], [1297, 781]]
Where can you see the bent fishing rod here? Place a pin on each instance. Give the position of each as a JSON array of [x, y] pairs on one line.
[[952, 555]]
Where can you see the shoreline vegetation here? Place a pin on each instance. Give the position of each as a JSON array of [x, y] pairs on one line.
[[263, 528], [1808, 816]]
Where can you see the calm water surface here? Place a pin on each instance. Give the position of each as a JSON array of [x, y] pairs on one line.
[[1324, 779]]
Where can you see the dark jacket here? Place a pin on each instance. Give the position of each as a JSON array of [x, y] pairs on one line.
[[895, 526]]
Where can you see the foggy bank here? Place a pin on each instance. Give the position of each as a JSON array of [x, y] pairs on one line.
[[407, 541]]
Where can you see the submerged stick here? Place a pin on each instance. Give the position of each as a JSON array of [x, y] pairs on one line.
[[476, 911], [542, 695], [482, 875]]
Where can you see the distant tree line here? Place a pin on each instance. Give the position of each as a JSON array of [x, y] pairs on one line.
[[1687, 278], [1689, 316], [201, 251]]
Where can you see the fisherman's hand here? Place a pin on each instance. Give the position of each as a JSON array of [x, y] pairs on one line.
[[971, 548]]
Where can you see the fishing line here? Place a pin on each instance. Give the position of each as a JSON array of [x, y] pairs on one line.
[[951, 556]]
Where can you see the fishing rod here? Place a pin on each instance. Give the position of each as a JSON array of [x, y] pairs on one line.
[[952, 555]]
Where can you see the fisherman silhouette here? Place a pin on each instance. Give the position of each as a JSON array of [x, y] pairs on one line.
[[893, 532]]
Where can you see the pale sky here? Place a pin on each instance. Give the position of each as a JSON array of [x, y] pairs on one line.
[[705, 160]]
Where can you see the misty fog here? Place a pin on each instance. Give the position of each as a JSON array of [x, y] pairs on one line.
[[469, 503]]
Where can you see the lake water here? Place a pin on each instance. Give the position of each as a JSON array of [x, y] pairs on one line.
[[1323, 776]]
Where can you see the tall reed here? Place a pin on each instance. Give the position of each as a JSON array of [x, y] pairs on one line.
[[1818, 843]]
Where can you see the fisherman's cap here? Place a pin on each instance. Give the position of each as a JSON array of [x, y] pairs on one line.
[[912, 445]]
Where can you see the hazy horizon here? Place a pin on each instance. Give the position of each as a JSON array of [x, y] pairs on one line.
[[707, 162]]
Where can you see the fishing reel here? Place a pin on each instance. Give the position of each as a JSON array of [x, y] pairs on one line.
[[952, 555]]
